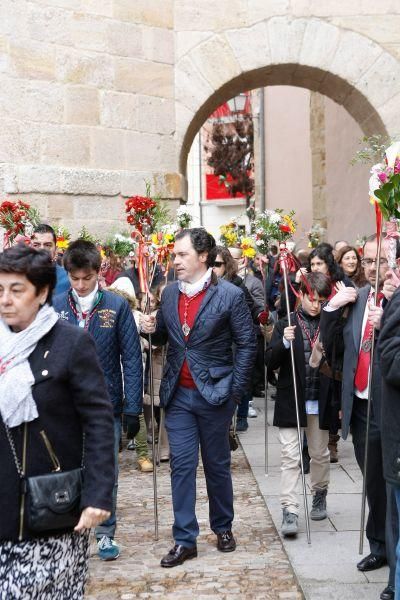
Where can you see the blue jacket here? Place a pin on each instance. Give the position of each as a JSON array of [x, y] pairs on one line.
[[113, 329], [223, 321], [62, 283]]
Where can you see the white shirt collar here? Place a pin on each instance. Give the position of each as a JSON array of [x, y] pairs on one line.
[[190, 289], [86, 302]]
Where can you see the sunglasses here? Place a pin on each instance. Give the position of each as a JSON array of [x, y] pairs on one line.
[[218, 263]]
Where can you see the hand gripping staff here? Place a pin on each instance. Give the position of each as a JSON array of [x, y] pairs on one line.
[[283, 261]]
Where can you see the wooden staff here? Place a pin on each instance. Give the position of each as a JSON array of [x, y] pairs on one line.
[[266, 457], [370, 381], [149, 276], [283, 263]]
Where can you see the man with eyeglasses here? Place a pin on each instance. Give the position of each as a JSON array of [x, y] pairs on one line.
[[354, 314]]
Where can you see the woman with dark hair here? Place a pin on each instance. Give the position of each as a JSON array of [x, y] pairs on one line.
[[224, 265], [350, 261], [55, 416], [321, 260]]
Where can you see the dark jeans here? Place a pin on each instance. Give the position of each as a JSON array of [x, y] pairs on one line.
[[190, 420], [375, 484], [396, 491], [243, 407], [109, 526]]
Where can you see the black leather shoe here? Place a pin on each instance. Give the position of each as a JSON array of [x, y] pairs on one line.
[[388, 593], [177, 555], [371, 562], [226, 542]]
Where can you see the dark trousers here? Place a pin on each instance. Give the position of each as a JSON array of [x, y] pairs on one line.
[[375, 485], [392, 532], [190, 420]]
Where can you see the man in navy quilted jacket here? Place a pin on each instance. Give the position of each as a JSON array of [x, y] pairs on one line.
[[109, 320], [202, 319]]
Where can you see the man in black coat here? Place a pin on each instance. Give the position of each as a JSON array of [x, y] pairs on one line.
[[389, 355], [356, 343]]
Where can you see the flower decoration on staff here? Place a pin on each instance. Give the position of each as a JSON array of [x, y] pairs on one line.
[[384, 189], [384, 183], [229, 235], [315, 235], [273, 225], [63, 237], [183, 218], [163, 245], [247, 246], [146, 215], [18, 219], [140, 212]]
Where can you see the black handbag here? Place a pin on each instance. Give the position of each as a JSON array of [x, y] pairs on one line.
[[52, 501]]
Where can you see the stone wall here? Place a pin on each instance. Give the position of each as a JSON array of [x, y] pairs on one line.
[[87, 106], [97, 96]]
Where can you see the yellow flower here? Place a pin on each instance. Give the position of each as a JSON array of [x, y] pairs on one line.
[[231, 238], [289, 221], [249, 252], [62, 244], [247, 247]]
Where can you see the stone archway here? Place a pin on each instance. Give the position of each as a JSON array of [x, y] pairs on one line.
[[345, 66]]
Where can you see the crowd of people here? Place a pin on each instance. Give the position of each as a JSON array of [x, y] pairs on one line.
[[74, 387]]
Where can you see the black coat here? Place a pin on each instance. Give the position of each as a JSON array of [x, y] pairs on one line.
[[278, 357], [389, 355], [72, 399], [346, 332]]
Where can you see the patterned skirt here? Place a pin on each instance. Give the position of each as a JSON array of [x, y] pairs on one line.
[[52, 568]]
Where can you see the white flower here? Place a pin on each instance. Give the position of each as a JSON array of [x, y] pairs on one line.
[[392, 153], [374, 183], [182, 211], [275, 218]]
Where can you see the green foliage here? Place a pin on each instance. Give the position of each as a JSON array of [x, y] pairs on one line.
[[121, 244], [374, 149], [389, 196], [161, 214], [88, 237]]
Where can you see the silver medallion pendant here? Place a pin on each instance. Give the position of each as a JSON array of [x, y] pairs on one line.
[[185, 329], [366, 345]]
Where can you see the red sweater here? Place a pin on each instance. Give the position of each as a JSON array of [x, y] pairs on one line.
[[185, 378]]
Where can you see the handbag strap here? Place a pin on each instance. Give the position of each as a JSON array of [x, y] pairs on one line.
[[20, 468]]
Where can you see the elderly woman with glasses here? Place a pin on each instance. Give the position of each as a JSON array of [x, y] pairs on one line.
[[55, 416]]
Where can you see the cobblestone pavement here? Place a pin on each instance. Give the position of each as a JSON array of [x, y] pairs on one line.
[[259, 569]]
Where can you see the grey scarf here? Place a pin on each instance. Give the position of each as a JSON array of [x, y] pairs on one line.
[[16, 378]]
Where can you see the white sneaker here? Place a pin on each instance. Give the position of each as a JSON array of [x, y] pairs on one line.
[[252, 413]]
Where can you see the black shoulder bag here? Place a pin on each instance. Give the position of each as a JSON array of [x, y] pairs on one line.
[[52, 500]]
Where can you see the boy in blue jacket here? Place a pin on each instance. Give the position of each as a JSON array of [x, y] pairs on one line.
[[109, 320]]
